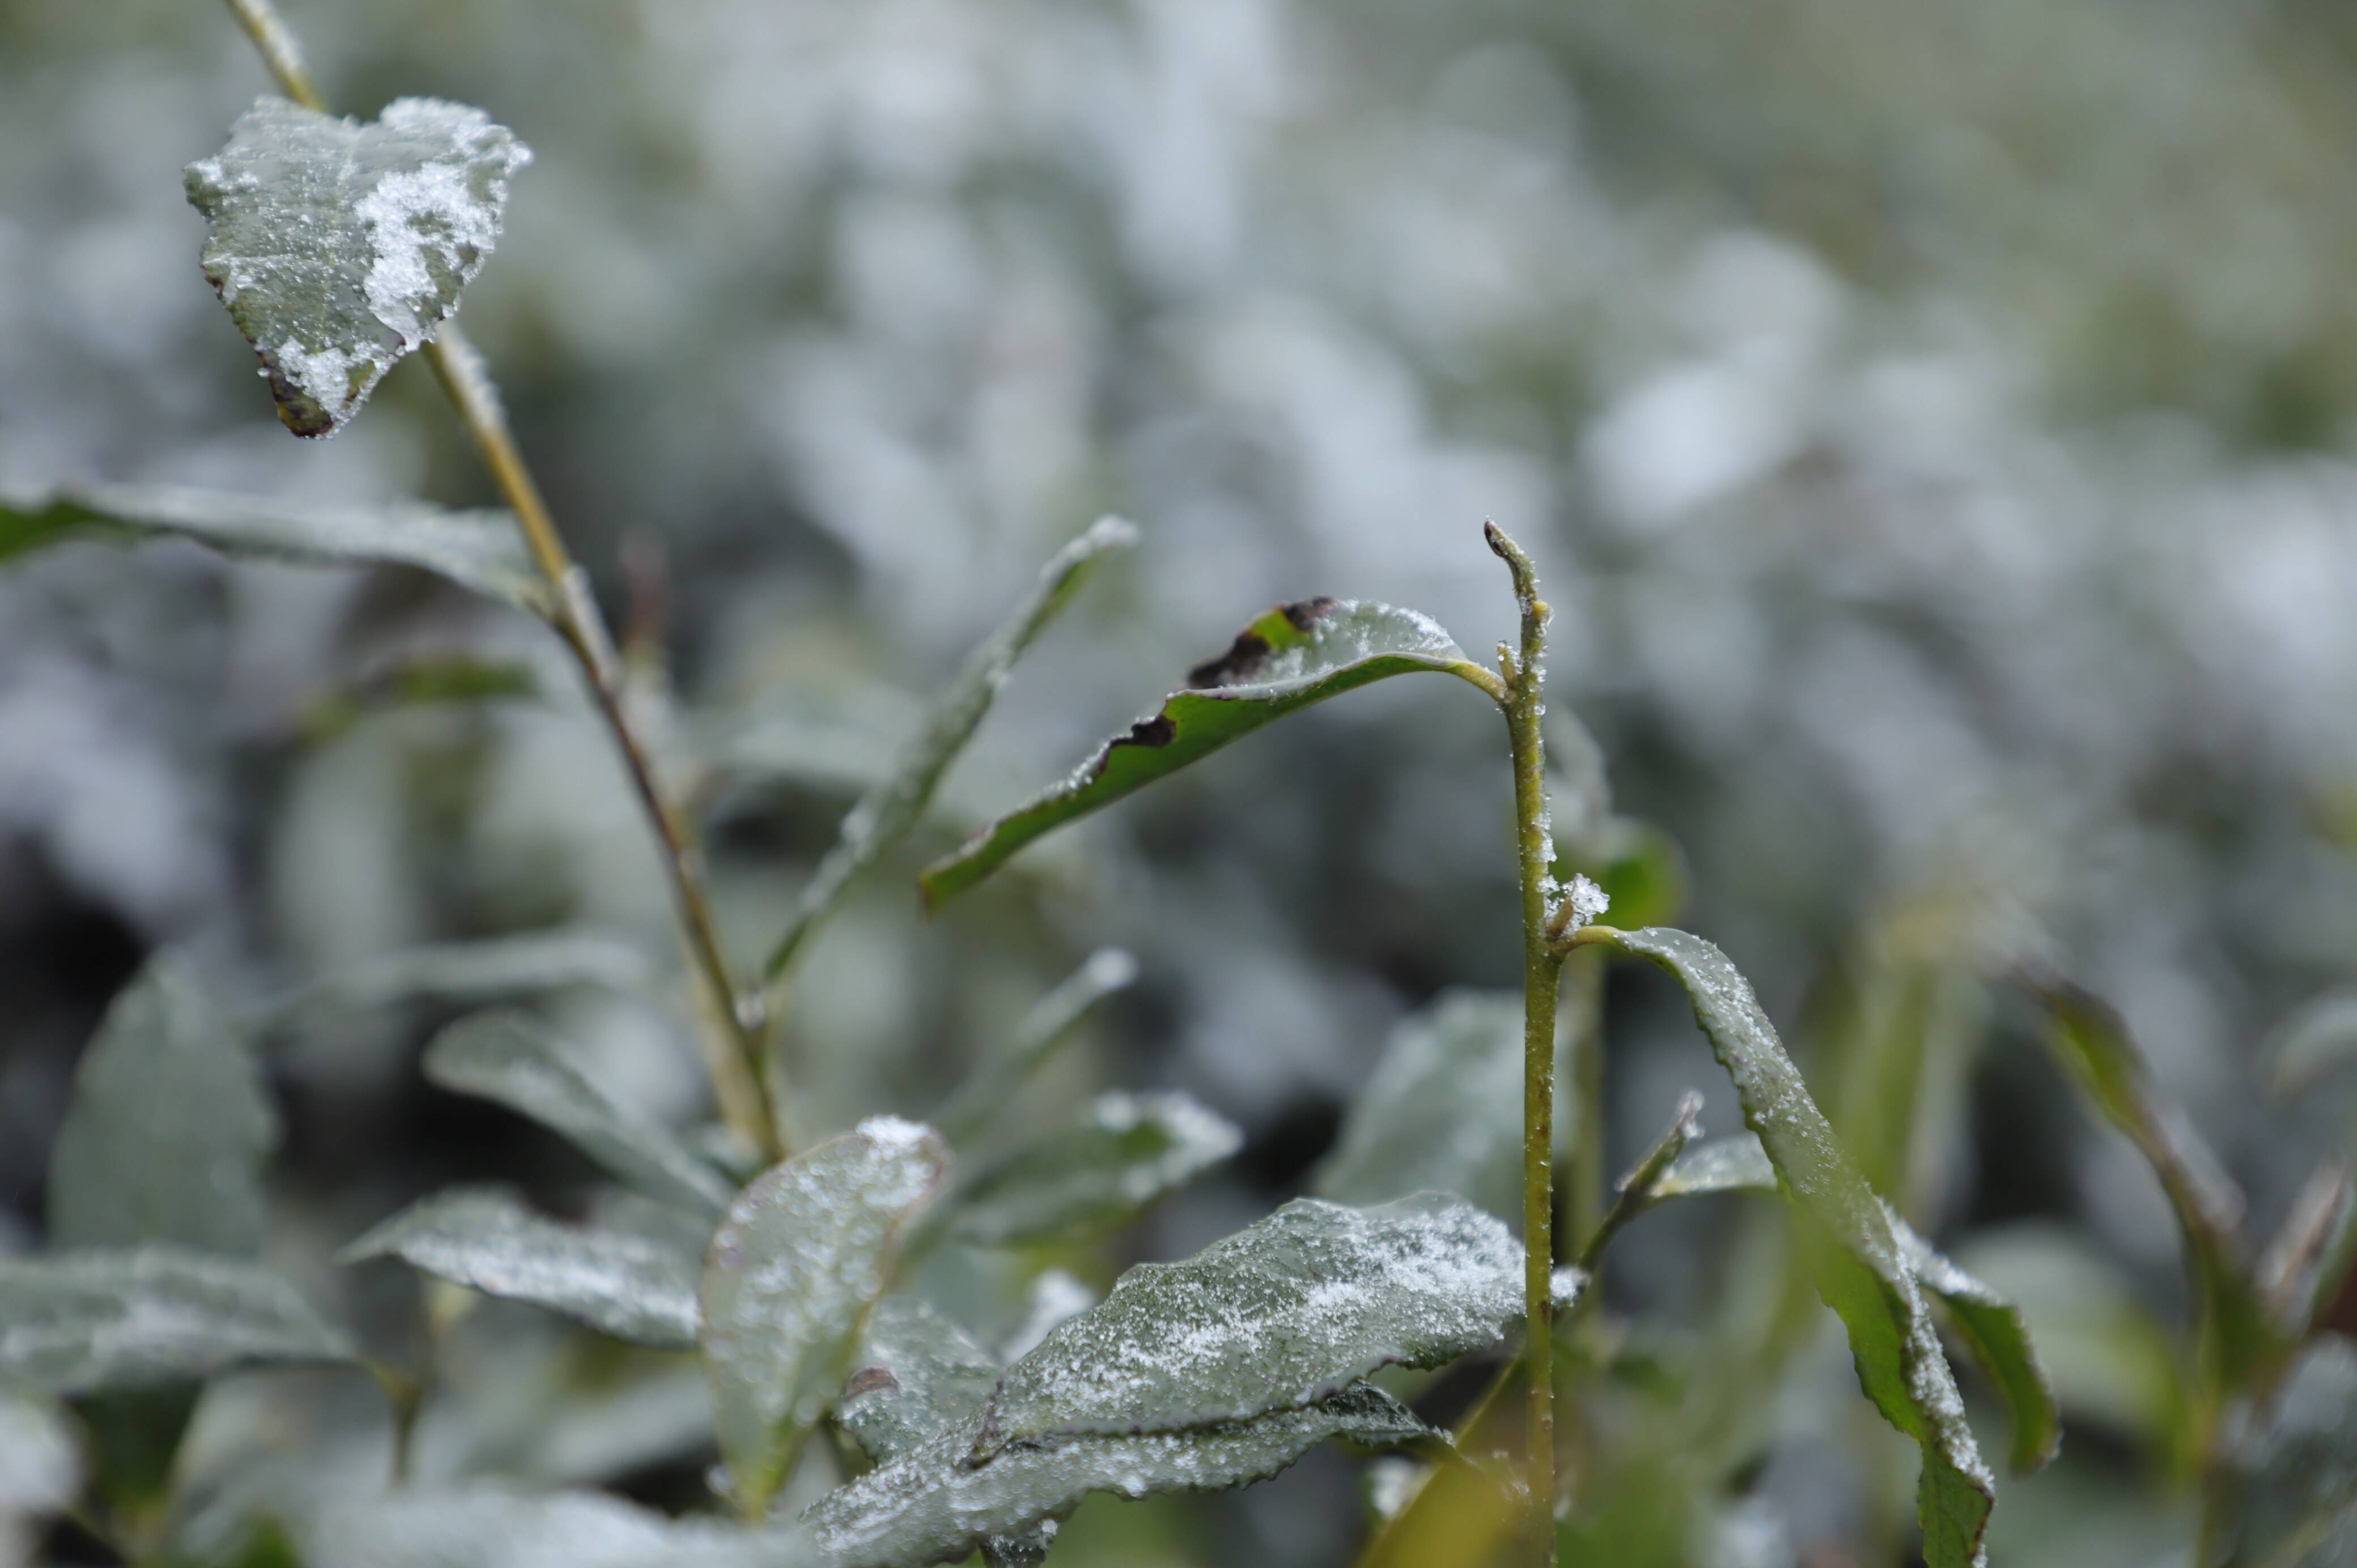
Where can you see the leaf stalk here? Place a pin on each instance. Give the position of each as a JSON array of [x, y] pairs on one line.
[[735, 1061]]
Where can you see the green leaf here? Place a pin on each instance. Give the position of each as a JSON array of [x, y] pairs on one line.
[[2318, 1038], [1723, 1165], [480, 551], [340, 247], [1295, 655], [1081, 1181], [462, 974], [2241, 1341], [2289, 1492], [514, 1059], [1995, 1331], [426, 681], [918, 1375], [631, 1287], [1282, 1314], [1053, 1020], [801, 1258], [887, 812], [146, 1317], [936, 1504], [1863, 1275], [1441, 1111], [169, 1124], [490, 1526]]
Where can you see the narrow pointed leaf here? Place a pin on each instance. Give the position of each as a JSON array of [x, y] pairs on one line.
[[433, 680], [935, 1505], [1293, 657], [1993, 1330], [1082, 1181], [801, 1258], [1863, 1275], [1441, 1110], [1051, 1022], [888, 811], [1640, 1187], [1279, 1315], [631, 1287], [167, 1130], [340, 247], [2092, 1042], [514, 1059], [480, 551], [149, 1317], [1723, 1165]]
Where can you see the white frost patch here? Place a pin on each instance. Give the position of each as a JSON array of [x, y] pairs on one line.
[[323, 375], [1587, 902]]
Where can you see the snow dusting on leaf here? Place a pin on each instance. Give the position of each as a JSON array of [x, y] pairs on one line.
[[340, 247]]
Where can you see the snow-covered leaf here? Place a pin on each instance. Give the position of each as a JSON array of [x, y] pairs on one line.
[[480, 551], [1723, 1165], [1294, 655], [340, 247], [936, 1504], [917, 1375], [1096, 1175], [633, 1287], [1282, 1314], [1442, 1111], [84, 1322], [1053, 1021], [801, 1258], [166, 1135], [1993, 1330], [887, 812], [1862, 1273], [488, 1527], [514, 1059]]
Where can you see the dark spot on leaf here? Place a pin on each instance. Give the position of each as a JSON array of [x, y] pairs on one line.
[[869, 1379], [1306, 613], [1157, 731], [1243, 656]]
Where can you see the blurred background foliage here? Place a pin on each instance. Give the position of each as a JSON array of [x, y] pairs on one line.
[[1931, 421]]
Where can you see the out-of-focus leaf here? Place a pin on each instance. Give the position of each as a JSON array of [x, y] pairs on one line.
[[1862, 1273], [1279, 1315], [886, 813], [801, 1258], [2291, 1481], [479, 551], [2318, 1038], [459, 974], [427, 681], [167, 1130], [1442, 1109], [1639, 868], [514, 1059], [1993, 1330], [2240, 1339], [486, 1527], [917, 1375], [2307, 1264], [936, 1504], [1053, 1021], [340, 247], [1639, 1188], [1295, 655], [1095, 1175], [1895, 1039], [40, 1464], [146, 1317], [630, 1286]]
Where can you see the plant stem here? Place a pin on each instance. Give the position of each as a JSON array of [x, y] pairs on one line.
[[1525, 708], [735, 1059]]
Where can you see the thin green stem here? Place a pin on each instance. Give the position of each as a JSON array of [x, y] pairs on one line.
[[736, 1059], [1525, 708]]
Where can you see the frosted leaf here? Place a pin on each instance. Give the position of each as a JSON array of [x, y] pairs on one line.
[[512, 1058], [480, 551], [796, 1266], [936, 1504], [164, 1138], [488, 1527], [83, 1322], [631, 1286], [1723, 1164], [917, 1375], [1441, 1111], [1294, 656], [1863, 1273], [1996, 1334], [886, 812], [340, 247], [1081, 1181], [1279, 1315], [1587, 900]]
